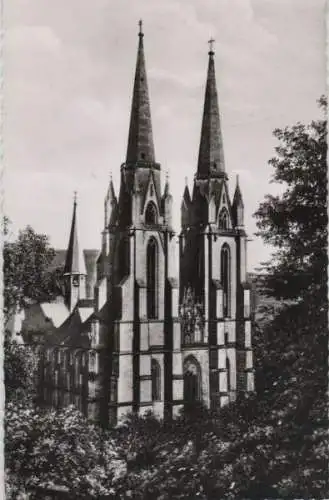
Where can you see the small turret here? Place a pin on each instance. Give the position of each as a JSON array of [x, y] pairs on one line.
[[110, 205], [167, 201], [185, 206], [238, 206]]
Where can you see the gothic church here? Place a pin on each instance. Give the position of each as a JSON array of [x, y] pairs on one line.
[[164, 320]]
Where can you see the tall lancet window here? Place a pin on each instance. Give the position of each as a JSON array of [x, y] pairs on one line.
[[123, 256], [156, 380], [225, 262], [152, 279], [228, 374]]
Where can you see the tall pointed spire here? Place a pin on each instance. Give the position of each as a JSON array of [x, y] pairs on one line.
[[211, 155], [140, 140], [74, 263]]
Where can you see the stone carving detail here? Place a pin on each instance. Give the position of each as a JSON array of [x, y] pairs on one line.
[[192, 318]]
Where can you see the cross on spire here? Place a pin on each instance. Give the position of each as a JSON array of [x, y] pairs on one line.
[[211, 45]]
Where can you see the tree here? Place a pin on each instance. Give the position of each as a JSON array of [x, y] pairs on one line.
[[45, 450], [295, 222], [20, 369], [27, 278], [291, 350]]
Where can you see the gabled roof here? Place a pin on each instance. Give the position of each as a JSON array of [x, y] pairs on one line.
[[56, 312]]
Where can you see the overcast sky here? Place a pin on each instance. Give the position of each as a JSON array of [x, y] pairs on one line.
[[69, 69]]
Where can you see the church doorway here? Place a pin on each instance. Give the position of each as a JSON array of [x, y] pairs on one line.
[[192, 381]]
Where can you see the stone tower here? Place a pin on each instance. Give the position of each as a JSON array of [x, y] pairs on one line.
[[137, 290], [217, 353], [74, 269]]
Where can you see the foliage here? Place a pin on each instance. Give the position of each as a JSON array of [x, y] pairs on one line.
[[20, 370], [295, 222], [58, 448], [27, 278], [291, 350]]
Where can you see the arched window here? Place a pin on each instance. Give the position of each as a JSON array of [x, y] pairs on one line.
[[152, 279], [123, 256], [225, 278], [223, 220], [156, 380], [228, 374], [192, 380], [151, 214]]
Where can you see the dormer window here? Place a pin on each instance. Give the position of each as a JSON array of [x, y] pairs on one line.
[[151, 214]]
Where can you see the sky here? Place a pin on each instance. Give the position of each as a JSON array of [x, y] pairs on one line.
[[69, 70]]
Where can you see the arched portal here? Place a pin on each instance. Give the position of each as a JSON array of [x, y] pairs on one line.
[[152, 279], [192, 380]]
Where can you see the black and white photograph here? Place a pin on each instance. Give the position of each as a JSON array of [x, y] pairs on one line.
[[164, 240]]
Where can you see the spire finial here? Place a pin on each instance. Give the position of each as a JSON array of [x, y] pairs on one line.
[[75, 197], [211, 46], [237, 179], [140, 24], [186, 181]]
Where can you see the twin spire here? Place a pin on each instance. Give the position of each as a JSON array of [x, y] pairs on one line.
[[211, 154], [141, 147], [140, 140]]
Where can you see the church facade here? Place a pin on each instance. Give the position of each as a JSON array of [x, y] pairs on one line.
[[167, 320]]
